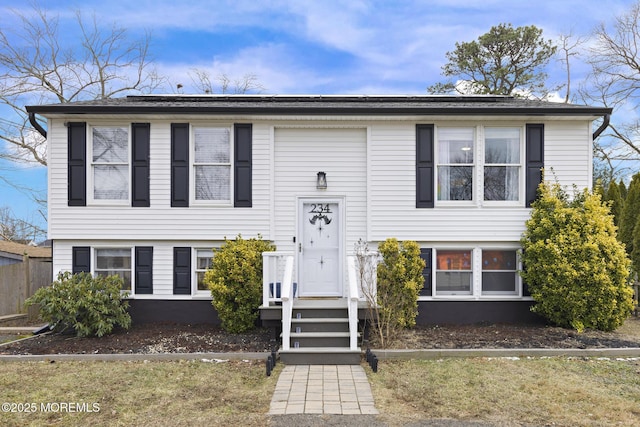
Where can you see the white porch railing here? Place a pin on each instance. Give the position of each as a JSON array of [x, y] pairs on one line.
[[352, 302], [277, 286], [273, 270]]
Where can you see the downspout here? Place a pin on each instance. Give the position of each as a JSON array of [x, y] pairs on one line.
[[603, 126], [36, 125]]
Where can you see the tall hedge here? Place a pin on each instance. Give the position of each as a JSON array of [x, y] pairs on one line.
[[235, 281], [576, 269]]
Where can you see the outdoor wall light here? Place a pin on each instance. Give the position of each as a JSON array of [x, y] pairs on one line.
[[321, 183]]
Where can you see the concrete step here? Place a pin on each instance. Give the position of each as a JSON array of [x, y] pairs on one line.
[[320, 339], [320, 325], [321, 356], [318, 313]]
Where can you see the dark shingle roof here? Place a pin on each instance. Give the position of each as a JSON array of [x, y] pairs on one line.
[[318, 104]]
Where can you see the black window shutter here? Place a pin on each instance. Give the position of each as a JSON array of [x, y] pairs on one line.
[[182, 271], [425, 254], [140, 164], [535, 161], [144, 269], [81, 259], [179, 165], [242, 165], [77, 164], [424, 166]]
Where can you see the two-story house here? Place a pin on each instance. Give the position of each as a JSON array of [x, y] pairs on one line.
[[145, 186]]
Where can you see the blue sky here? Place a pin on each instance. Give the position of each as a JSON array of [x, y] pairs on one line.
[[319, 47]]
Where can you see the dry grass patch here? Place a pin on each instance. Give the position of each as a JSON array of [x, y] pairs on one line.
[[183, 393], [503, 391]]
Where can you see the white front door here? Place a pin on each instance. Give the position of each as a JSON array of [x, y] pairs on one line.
[[319, 249]]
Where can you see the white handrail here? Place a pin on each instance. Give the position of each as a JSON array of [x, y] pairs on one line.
[[272, 272], [352, 303], [287, 303]]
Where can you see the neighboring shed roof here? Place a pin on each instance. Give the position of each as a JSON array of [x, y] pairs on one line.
[[20, 249], [319, 104]]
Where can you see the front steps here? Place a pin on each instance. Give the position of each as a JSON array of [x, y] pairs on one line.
[[320, 334]]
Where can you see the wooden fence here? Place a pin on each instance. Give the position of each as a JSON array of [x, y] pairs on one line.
[[19, 281]]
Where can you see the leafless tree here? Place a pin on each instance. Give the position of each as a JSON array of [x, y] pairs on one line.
[[615, 82], [568, 47], [205, 83], [39, 64], [18, 230]]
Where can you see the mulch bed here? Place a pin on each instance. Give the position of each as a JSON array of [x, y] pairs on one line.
[[173, 338]]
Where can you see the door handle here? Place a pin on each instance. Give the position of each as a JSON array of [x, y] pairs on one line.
[[300, 247]]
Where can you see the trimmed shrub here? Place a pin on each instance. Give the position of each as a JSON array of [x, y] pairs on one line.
[[92, 306], [576, 269], [235, 281]]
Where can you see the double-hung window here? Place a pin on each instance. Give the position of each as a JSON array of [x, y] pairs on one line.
[[502, 164], [204, 257], [479, 164], [212, 164], [454, 272], [110, 163], [500, 272], [456, 163], [114, 261]]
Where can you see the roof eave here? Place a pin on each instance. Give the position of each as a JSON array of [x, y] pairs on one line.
[[99, 109]]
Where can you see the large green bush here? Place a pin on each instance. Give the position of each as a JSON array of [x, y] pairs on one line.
[[92, 306], [398, 284], [235, 281], [576, 269]]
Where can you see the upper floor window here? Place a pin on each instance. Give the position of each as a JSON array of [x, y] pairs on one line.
[[469, 167], [110, 162], [212, 164], [502, 164], [455, 163]]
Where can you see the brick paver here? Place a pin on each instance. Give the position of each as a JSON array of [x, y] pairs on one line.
[[322, 389]]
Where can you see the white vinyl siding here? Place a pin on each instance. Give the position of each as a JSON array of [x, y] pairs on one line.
[[164, 222], [300, 153], [371, 169]]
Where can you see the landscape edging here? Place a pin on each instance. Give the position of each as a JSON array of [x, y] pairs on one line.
[[381, 354]]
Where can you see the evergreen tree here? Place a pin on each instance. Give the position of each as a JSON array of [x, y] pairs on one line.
[[630, 213], [614, 200], [623, 190]]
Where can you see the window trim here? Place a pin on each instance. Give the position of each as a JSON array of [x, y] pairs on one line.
[[477, 197], [94, 264], [194, 287], [91, 164], [455, 294], [473, 165], [476, 273], [521, 165], [192, 165], [518, 279]]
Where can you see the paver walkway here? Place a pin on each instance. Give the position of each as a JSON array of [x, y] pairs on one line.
[[322, 389]]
